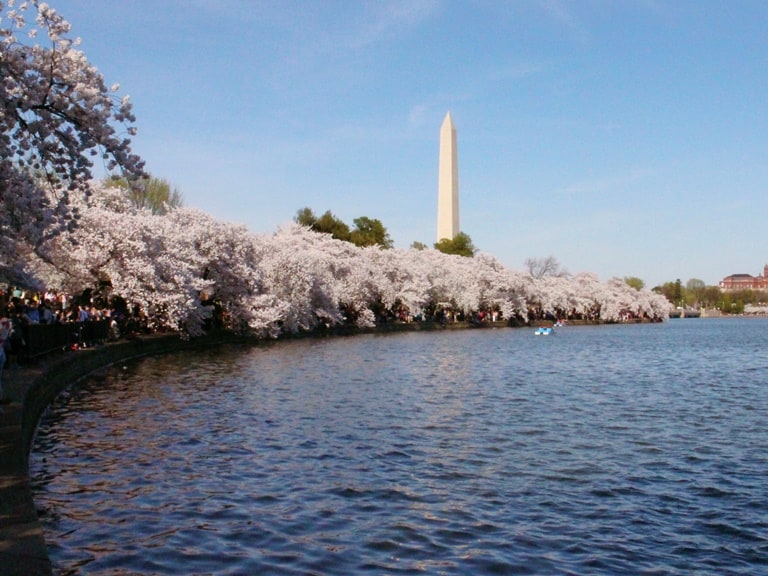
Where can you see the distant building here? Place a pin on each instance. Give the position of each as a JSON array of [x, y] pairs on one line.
[[745, 281]]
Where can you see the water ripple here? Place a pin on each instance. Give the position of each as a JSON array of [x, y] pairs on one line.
[[606, 450]]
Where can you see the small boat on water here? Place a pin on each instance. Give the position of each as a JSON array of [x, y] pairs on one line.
[[544, 331]]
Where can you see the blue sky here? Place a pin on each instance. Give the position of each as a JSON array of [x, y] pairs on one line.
[[625, 138]]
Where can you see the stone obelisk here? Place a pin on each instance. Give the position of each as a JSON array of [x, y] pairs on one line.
[[448, 182]]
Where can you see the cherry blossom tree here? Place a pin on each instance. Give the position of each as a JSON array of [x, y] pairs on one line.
[[183, 269], [304, 271], [176, 268], [56, 116]]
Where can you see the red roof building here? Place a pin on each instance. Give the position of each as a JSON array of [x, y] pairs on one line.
[[745, 281]]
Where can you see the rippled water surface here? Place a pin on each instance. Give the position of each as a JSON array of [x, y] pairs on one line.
[[636, 449]]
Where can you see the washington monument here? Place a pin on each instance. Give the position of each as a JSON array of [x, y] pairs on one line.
[[448, 182]]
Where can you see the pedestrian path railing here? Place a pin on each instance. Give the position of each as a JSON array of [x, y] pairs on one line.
[[41, 339]]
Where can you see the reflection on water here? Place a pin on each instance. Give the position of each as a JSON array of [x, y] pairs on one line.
[[601, 450]]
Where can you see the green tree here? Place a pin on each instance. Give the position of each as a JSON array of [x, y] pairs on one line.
[[734, 305], [694, 291], [671, 291], [328, 223], [747, 296], [635, 282], [305, 217], [677, 293], [370, 232], [712, 297], [416, 245], [367, 231], [697, 293], [155, 194], [461, 245]]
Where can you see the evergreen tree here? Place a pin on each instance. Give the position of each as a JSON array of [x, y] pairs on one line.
[[461, 245], [370, 232]]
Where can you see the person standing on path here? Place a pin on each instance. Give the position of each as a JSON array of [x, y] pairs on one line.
[[5, 333]]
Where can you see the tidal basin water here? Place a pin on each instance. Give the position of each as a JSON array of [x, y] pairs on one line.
[[628, 449]]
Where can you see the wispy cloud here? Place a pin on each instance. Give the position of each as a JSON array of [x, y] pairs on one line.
[[418, 114], [318, 25], [516, 71], [604, 184], [430, 111], [559, 11], [378, 20]]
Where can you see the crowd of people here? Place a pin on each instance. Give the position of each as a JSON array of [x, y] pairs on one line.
[[21, 308], [25, 308]]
